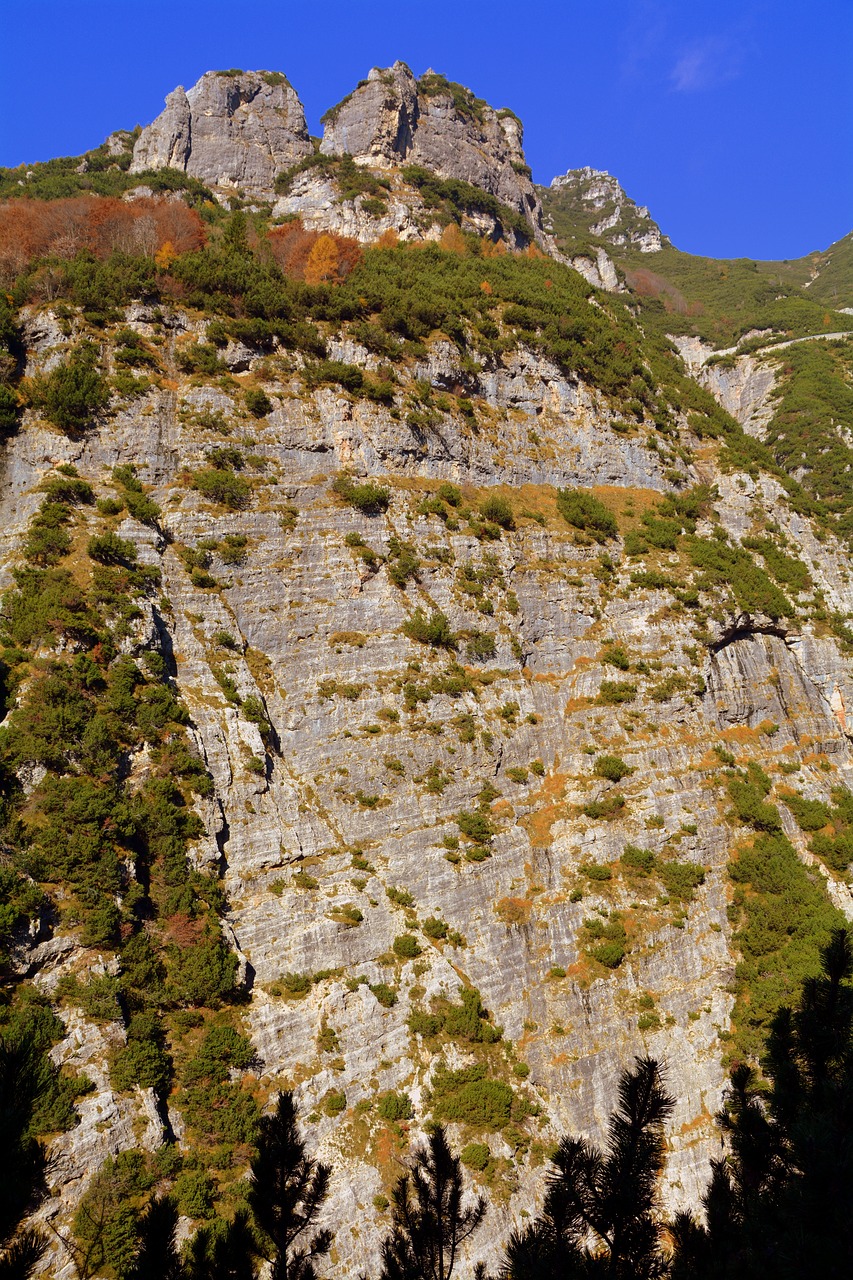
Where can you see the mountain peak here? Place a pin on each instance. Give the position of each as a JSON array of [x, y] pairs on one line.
[[233, 129], [590, 203]]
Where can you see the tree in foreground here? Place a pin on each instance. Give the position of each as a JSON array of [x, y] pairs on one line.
[[158, 1257], [601, 1214], [430, 1222], [23, 1076], [287, 1192], [779, 1202]]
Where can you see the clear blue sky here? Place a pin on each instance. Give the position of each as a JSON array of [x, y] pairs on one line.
[[731, 120]]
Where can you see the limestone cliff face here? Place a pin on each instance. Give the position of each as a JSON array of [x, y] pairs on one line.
[[393, 119], [230, 130], [349, 835]]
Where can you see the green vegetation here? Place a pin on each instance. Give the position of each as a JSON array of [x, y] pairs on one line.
[[782, 912], [586, 512], [470, 1097], [367, 497], [434, 630], [75, 393], [613, 768]]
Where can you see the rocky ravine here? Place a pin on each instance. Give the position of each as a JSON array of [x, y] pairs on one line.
[[377, 751]]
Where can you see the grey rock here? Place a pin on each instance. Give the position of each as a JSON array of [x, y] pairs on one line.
[[232, 132], [390, 120]]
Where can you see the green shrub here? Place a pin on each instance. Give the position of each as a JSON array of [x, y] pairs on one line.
[[75, 393], [613, 768], [750, 807], [609, 807], [468, 1020], [395, 1106], [425, 1024], [613, 693], [406, 946], [596, 871], [223, 487], [367, 497], [434, 630], [498, 511], [469, 1097], [475, 825], [811, 815], [681, 879], [640, 860], [258, 402], [433, 928], [610, 954], [109, 548], [586, 512], [334, 1103], [195, 1191], [616, 656], [385, 994], [476, 1155]]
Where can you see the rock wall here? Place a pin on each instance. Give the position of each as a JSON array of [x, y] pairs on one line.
[[362, 791], [392, 119], [230, 130]]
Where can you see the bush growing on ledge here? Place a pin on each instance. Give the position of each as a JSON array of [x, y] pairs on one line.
[[406, 946], [258, 403], [223, 487], [585, 512], [370, 498], [434, 630], [613, 768], [109, 548], [498, 511], [74, 393]]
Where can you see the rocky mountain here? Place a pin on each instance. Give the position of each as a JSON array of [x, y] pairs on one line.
[[426, 676], [246, 132], [234, 130], [589, 204]]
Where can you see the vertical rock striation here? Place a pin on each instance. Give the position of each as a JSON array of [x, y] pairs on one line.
[[232, 129]]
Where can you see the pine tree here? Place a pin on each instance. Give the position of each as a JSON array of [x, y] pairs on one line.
[[23, 1075], [429, 1220], [225, 1251], [287, 1192], [158, 1257], [779, 1202], [601, 1208]]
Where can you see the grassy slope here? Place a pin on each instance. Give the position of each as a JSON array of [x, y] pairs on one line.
[[718, 300]]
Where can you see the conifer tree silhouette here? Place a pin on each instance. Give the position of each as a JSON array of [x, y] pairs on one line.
[[158, 1257], [600, 1216], [429, 1220], [23, 1075], [225, 1251], [779, 1202], [286, 1194]]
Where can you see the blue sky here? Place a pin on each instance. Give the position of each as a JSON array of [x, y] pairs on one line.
[[732, 121]]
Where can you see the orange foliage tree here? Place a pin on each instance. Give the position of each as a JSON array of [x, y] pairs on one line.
[[101, 224], [293, 248], [323, 262]]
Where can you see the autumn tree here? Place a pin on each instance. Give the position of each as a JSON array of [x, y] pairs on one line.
[[323, 263]]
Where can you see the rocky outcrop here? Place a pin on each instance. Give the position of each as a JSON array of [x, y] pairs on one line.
[[393, 119], [607, 212], [232, 130], [743, 385]]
